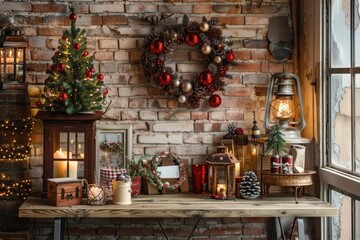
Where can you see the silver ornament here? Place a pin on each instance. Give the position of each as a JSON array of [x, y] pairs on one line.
[[176, 83], [217, 59], [182, 99], [206, 49], [186, 86], [204, 26]]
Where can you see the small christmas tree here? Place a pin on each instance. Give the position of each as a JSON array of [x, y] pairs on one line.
[[72, 85], [275, 141], [250, 187]]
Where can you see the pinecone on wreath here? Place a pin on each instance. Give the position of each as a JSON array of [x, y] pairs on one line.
[[249, 186]]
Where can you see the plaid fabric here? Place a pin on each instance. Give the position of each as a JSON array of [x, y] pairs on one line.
[[108, 174]]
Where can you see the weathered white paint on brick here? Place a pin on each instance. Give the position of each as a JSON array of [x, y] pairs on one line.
[[173, 127], [148, 115], [218, 115], [174, 115], [161, 139], [190, 150], [102, 8], [155, 149]]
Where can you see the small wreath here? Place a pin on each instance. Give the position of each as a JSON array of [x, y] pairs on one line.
[[152, 175], [213, 45]]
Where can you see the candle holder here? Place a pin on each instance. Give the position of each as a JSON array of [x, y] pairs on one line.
[[96, 194]]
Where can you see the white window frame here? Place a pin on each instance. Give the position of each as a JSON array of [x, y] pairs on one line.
[[330, 177]]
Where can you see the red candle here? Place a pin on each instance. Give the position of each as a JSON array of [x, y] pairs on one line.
[[199, 172]]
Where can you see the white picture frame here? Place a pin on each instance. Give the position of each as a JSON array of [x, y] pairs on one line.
[[112, 132]]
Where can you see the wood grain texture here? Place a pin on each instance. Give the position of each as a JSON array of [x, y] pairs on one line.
[[183, 205]]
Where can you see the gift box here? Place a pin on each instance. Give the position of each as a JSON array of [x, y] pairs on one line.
[[64, 191]]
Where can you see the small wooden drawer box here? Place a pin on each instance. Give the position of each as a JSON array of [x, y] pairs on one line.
[[64, 191]]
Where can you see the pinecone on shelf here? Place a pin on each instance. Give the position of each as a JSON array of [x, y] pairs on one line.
[[249, 186]]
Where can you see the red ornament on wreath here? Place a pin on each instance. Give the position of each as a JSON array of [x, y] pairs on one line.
[[192, 39], [63, 96], [206, 78], [76, 46], [165, 79], [230, 56], [157, 46], [214, 100], [85, 53]]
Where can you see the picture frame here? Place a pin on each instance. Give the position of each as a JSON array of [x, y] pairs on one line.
[[229, 143], [109, 136]]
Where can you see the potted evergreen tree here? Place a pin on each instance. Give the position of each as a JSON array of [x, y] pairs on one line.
[[276, 145]]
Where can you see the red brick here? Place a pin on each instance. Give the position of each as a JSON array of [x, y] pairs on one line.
[[276, 67], [225, 231], [101, 56], [202, 8], [106, 231], [80, 231], [253, 230], [49, 8], [56, 21], [256, 20], [260, 91], [183, 9], [231, 21], [237, 91], [239, 103], [15, 6], [115, 20], [246, 67], [31, 20], [50, 31], [199, 115], [242, 54], [257, 219], [228, 9], [234, 115], [260, 54], [259, 10], [89, 21]]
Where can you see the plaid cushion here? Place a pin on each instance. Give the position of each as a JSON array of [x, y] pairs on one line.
[[108, 174]]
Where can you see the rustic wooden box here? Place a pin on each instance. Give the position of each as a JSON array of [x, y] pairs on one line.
[[64, 191]]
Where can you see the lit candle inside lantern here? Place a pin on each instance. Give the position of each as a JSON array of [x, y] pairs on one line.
[[73, 169], [253, 151], [221, 189], [237, 169], [60, 169]]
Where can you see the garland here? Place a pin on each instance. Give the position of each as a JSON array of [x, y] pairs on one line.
[[152, 175], [111, 147], [213, 45]]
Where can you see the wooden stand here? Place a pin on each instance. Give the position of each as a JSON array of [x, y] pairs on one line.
[[295, 180]]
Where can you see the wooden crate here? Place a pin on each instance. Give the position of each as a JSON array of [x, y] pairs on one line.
[[64, 191]]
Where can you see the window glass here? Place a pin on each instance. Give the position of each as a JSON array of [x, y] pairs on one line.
[[341, 225], [340, 120], [340, 33], [357, 33], [357, 123]]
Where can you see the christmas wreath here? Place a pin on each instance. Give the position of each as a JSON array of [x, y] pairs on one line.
[[213, 45], [152, 175]]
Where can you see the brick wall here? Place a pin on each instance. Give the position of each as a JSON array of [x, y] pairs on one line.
[[115, 34]]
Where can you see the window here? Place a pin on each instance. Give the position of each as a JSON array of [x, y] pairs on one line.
[[340, 171]]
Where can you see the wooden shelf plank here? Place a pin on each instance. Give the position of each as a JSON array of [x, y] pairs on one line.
[[183, 205]]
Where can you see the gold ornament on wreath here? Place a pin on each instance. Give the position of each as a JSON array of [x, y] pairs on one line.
[[205, 37]]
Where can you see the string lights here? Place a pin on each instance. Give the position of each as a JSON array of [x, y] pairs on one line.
[[14, 150]]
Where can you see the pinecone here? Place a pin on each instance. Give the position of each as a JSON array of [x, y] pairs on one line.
[[232, 129], [249, 186]]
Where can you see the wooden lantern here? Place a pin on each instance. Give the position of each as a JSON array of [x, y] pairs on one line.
[[69, 145], [221, 172]]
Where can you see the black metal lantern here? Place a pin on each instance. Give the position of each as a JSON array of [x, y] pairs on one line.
[[12, 56]]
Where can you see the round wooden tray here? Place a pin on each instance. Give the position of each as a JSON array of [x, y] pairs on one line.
[[295, 180]]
